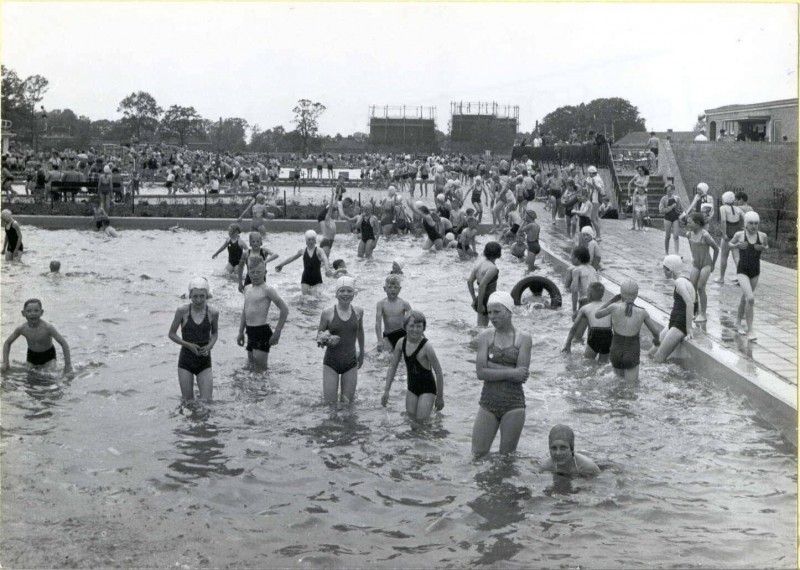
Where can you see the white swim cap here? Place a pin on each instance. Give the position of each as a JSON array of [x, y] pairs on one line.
[[673, 262], [311, 234], [440, 197], [703, 187], [728, 197], [591, 170], [418, 204], [107, 169], [588, 230], [449, 236], [501, 298], [399, 264], [440, 168], [392, 190], [751, 217], [200, 283], [345, 281], [629, 288]]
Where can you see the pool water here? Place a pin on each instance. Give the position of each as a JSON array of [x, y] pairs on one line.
[[105, 469]]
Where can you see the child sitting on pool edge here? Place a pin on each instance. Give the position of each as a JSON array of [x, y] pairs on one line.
[[39, 334]]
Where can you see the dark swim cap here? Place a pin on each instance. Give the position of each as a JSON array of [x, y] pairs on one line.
[[563, 433]]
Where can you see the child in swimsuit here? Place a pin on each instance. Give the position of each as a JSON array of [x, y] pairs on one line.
[[750, 243], [425, 387], [485, 274], [579, 277], [236, 246], [196, 340], [588, 239], [313, 258], [256, 250], [429, 225], [530, 229], [390, 312], [732, 220], [598, 342], [39, 334], [340, 327], [563, 460], [258, 297], [12, 245], [683, 309], [626, 322], [502, 363], [702, 263], [466, 247]]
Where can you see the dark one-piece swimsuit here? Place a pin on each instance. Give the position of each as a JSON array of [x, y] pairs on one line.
[[199, 334], [420, 379], [342, 357]]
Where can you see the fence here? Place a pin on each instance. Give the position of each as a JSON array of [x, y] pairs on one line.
[[777, 218]]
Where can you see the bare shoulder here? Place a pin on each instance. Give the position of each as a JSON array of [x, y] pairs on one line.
[[359, 312], [213, 312]]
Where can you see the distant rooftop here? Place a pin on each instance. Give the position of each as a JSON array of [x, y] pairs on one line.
[[753, 106], [640, 138]]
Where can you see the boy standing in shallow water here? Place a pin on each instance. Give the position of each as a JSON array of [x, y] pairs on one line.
[[390, 312], [258, 297], [39, 334]]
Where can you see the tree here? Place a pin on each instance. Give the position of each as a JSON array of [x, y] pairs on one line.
[[228, 134], [306, 115], [33, 89], [611, 115], [181, 122], [13, 96], [141, 112]]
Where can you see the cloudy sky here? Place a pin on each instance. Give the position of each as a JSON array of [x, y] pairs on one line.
[[255, 60]]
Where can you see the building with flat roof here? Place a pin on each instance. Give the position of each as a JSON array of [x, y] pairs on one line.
[[774, 121]]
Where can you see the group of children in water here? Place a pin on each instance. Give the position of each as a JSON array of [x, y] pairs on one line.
[[503, 353]]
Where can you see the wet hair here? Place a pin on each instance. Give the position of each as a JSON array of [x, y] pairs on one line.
[[393, 279], [698, 219], [581, 253], [596, 290], [29, 301], [417, 317], [236, 228], [338, 264], [493, 250], [741, 196]]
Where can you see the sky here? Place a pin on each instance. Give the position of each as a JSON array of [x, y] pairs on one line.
[[255, 60]]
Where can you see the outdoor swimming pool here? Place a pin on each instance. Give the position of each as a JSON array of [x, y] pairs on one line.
[[103, 470]]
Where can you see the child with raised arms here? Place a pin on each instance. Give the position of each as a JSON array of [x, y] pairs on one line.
[[425, 381], [39, 334], [389, 315], [236, 246], [258, 297], [313, 259], [196, 340]]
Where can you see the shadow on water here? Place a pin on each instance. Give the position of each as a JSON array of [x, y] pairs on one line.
[[500, 506], [43, 391], [197, 440], [339, 429]]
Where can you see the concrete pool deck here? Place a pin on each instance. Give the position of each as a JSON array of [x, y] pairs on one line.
[[765, 371]]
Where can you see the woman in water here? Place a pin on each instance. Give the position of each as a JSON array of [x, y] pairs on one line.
[[502, 362], [563, 460], [340, 327], [750, 242], [198, 324]]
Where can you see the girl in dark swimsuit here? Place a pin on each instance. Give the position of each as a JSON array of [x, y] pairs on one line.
[[434, 238], [750, 242]]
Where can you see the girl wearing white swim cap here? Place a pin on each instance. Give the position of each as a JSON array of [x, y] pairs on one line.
[[502, 362], [732, 220], [683, 309], [313, 259], [749, 243]]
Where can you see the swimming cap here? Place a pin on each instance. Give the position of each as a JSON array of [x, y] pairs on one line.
[[399, 264], [629, 288], [751, 217], [501, 298], [6, 213], [440, 168], [200, 283], [591, 170], [345, 281], [107, 169], [703, 187], [673, 262], [588, 230], [311, 234], [728, 198], [440, 197], [392, 189], [418, 204], [449, 236], [563, 433]]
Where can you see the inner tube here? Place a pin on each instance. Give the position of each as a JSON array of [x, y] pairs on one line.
[[537, 284]]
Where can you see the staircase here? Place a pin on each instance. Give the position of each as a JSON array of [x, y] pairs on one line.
[[655, 191]]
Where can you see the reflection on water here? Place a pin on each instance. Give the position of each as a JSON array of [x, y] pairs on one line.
[[267, 476]]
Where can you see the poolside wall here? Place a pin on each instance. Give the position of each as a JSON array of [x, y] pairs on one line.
[[755, 167]]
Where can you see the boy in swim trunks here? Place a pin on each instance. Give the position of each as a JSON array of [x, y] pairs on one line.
[[598, 343], [626, 322], [39, 334], [258, 297], [389, 314], [579, 278], [236, 246], [485, 274], [422, 366]]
